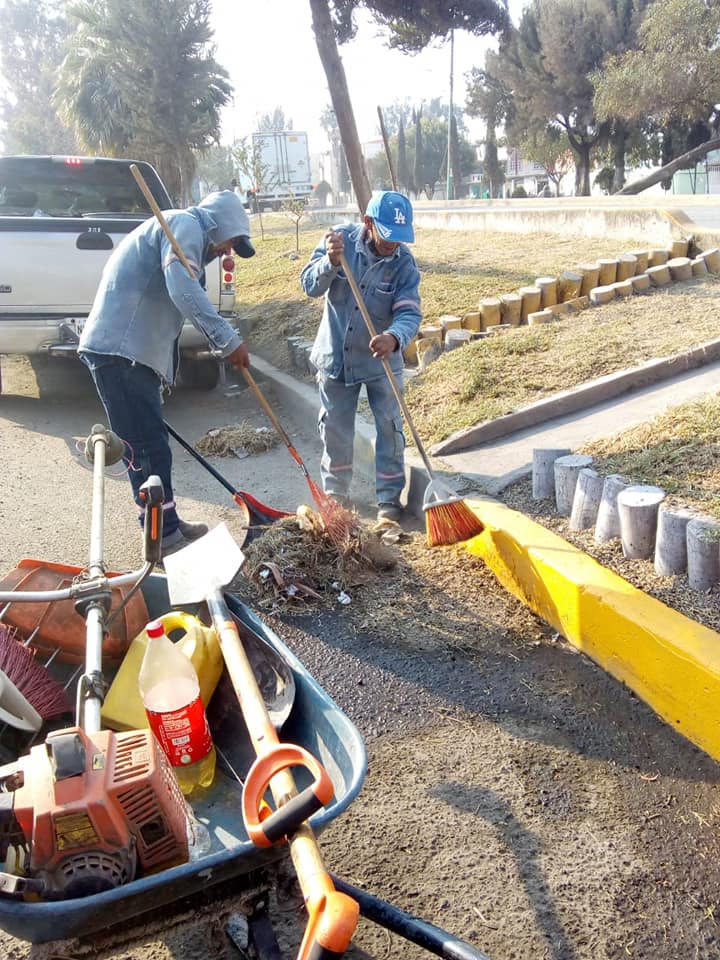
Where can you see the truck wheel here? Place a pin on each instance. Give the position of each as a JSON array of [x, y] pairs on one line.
[[199, 374]]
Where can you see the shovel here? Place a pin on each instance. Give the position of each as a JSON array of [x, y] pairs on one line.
[[200, 572]]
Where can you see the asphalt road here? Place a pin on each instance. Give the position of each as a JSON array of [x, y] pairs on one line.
[[516, 795]]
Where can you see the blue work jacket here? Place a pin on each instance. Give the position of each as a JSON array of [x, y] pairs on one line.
[[390, 288], [146, 294]]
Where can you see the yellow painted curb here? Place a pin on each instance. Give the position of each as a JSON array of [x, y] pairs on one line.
[[670, 661]]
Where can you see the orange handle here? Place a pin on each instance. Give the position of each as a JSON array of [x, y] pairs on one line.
[[332, 919], [265, 829]]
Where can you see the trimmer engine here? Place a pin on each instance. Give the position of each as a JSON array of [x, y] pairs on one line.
[[85, 813]]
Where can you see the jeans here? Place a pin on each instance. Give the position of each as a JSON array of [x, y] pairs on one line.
[[336, 425], [131, 395]]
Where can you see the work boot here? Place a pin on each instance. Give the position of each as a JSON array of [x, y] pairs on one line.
[[390, 511], [173, 542], [192, 530]]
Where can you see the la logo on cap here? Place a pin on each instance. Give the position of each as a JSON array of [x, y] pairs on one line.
[[399, 215]]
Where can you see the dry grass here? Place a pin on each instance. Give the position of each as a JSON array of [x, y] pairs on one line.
[[238, 440], [678, 451], [491, 377]]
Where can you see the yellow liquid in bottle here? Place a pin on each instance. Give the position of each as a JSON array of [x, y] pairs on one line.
[[200, 774], [168, 695]]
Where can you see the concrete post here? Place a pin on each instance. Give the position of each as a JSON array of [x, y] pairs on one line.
[[586, 501], [671, 540], [607, 526], [703, 553], [567, 470], [638, 507], [543, 472]]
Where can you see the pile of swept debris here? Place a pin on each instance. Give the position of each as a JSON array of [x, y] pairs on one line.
[[296, 560], [239, 440]]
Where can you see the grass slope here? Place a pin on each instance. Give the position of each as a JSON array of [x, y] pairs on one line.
[[679, 451]]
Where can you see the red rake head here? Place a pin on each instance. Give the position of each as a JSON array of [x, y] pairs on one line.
[[451, 522], [340, 523]]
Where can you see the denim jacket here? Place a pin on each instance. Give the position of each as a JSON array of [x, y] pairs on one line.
[[146, 294], [390, 288]]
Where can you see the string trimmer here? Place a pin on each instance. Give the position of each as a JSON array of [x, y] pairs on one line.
[[88, 809]]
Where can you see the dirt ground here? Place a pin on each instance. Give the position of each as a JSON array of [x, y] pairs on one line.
[[516, 795]]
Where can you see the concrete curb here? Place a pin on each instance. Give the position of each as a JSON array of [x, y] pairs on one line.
[[580, 398], [668, 660]]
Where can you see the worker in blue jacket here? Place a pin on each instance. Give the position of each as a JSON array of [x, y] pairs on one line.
[[130, 339], [344, 354]]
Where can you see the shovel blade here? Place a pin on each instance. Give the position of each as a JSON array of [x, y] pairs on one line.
[[204, 567]]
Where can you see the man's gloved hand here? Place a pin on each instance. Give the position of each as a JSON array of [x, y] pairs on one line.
[[239, 358], [383, 345]]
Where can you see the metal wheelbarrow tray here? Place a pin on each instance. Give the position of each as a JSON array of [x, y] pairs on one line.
[[314, 721]]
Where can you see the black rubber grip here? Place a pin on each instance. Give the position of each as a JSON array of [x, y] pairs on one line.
[[285, 821]]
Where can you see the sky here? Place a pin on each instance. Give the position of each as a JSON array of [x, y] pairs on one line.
[[269, 49]]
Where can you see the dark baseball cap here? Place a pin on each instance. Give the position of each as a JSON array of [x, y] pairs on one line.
[[243, 248]]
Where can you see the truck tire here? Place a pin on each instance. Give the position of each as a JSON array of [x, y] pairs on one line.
[[198, 373]]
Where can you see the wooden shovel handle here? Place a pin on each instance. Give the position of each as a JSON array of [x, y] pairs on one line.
[[332, 916]]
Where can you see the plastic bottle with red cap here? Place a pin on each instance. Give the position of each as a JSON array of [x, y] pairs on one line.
[[171, 694]]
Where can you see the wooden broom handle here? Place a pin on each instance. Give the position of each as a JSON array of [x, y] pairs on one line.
[[177, 249], [388, 370], [153, 204]]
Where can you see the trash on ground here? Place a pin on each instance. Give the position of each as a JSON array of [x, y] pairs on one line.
[[238, 440]]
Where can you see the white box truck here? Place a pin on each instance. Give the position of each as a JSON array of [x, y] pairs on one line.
[[285, 161]]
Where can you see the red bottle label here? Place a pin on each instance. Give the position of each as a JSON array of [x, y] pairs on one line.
[[184, 735]]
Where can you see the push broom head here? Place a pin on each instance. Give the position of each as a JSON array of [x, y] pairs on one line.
[[448, 519], [30, 678]]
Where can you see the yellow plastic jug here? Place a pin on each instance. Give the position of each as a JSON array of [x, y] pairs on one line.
[[123, 708]]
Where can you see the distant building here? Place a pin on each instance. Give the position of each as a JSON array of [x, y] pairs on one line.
[[371, 148], [703, 178], [528, 174]]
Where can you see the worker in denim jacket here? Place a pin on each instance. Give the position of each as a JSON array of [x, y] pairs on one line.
[[344, 354], [130, 339]]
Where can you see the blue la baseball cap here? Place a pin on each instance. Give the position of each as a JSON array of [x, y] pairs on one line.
[[393, 216]]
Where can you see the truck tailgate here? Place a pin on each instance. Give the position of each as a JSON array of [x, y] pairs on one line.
[[53, 265]]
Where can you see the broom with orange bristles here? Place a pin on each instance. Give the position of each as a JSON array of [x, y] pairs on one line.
[[448, 519]]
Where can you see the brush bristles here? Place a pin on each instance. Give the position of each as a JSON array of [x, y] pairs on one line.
[[452, 522], [33, 681]]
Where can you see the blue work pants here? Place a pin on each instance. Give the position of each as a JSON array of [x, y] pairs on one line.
[[336, 425], [131, 395]]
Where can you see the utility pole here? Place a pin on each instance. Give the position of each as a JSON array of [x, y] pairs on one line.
[[449, 189]]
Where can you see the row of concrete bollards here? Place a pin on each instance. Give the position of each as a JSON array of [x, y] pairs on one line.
[[679, 540]]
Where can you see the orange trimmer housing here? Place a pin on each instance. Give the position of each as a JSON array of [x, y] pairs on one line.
[[98, 809]]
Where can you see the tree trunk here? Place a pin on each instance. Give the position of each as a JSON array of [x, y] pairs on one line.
[[340, 97], [666, 172], [618, 159], [581, 146]]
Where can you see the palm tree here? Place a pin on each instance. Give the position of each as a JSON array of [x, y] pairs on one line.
[[140, 77]]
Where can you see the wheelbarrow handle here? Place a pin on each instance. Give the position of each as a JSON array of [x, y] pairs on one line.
[[426, 935]]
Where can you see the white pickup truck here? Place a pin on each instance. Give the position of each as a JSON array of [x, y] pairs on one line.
[[60, 218]]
